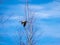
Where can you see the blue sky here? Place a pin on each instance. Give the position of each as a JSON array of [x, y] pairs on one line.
[[46, 21], [22, 1]]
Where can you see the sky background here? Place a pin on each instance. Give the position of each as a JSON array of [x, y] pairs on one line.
[[46, 21]]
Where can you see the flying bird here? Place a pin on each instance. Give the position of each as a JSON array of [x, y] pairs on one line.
[[24, 23]]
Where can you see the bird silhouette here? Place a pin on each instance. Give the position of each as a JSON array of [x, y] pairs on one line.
[[24, 23]]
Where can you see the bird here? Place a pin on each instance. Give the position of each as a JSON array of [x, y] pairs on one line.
[[24, 23]]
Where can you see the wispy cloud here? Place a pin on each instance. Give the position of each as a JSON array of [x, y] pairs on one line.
[[47, 10]]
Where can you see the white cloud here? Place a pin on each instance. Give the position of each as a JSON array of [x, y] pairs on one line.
[[35, 7], [50, 30], [47, 10], [14, 12], [40, 11], [51, 9], [41, 15], [47, 30]]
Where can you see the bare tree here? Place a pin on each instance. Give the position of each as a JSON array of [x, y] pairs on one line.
[[29, 15], [28, 25]]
